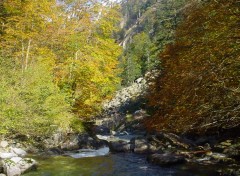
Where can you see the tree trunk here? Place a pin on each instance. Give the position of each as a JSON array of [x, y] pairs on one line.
[[27, 54], [22, 57]]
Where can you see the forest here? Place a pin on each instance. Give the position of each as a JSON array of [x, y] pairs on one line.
[[60, 60]]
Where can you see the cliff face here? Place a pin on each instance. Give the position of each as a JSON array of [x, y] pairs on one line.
[[135, 21], [147, 27], [150, 16]]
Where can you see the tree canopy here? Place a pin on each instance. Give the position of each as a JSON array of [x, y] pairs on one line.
[[58, 63], [198, 88]]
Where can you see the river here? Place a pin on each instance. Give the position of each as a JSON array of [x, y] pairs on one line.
[[123, 164]]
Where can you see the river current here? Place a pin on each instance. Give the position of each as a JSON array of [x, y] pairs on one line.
[[123, 164]]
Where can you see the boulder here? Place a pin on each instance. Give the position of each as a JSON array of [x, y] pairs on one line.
[[17, 166], [113, 133], [7, 155], [166, 159], [233, 151], [19, 152], [27, 164], [62, 141], [142, 146], [16, 159], [71, 144], [13, 170], [87, 142], [102, 130], [10, 168], [175, 140], [3, 144], [2, 175], [120, 146]]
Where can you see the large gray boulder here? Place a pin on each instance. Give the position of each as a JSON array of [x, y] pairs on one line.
[[10, 168], [166, 159], [86, 141], [17, 166], [19, 152], [120, 146], [7, 155], [142, 146], [27, 164]]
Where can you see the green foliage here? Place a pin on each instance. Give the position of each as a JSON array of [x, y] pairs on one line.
[[151, 25], [31, 104], [137, 60]]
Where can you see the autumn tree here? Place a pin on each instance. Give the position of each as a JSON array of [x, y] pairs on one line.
[[58, 63], [198, 89]]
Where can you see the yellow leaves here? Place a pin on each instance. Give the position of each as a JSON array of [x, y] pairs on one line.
[[68, 43]]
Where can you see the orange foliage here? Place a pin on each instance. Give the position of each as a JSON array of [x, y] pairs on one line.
[[199, 85]]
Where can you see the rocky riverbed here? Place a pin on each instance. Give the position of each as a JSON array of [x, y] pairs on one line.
[[168, 149], [217, 155]]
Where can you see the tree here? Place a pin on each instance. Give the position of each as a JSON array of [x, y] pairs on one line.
[[137, 60], [198, 86], [153, 23], [59, 62]]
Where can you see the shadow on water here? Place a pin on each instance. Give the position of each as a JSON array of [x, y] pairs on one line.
[[126, 164]]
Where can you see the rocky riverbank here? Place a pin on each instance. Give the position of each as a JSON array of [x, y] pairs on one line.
[[162, 149], [168, 149], [125, 115], [13, 160]]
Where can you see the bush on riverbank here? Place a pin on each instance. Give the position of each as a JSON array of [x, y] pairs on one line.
[[31, 104]]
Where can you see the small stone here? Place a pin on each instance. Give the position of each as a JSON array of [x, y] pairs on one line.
[[4, 144]]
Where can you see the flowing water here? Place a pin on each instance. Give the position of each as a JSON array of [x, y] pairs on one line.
[[85, 163]]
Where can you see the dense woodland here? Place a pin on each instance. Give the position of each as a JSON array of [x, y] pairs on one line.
[[61, 59], [198, 89], [58, 62]]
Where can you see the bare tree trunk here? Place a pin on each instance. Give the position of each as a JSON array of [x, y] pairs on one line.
[[27, 54], [22, 57], [72, 64]]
